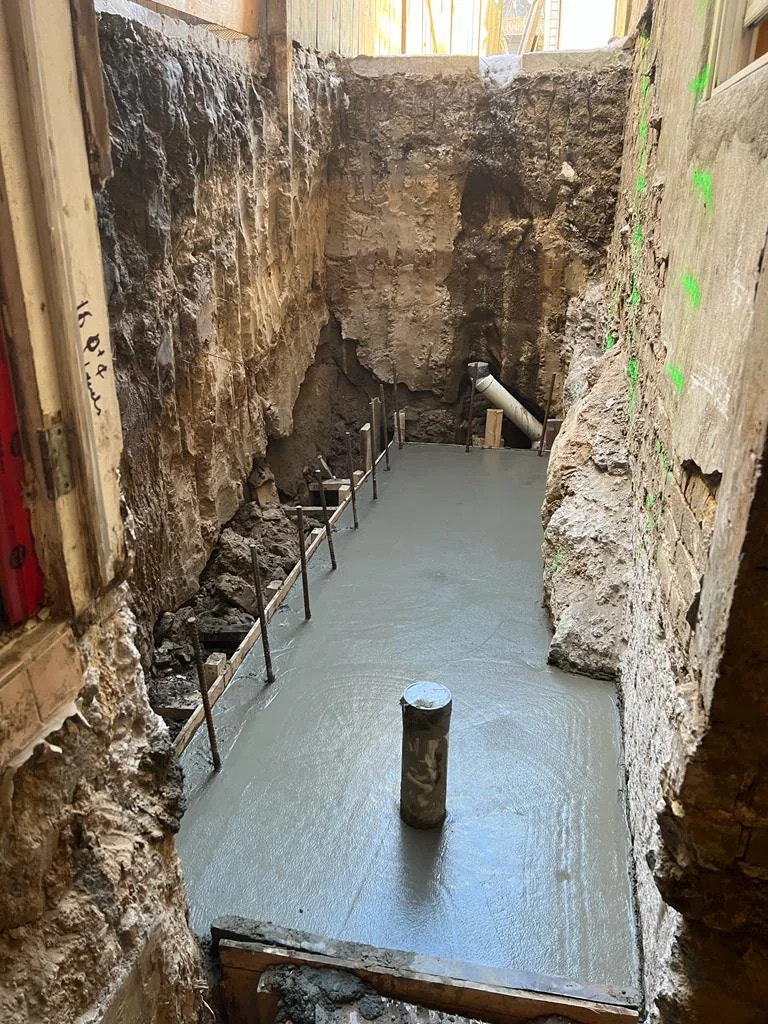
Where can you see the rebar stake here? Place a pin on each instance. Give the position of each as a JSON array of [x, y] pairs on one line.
[[471, 414], [262, 614], [398, 427], [384, 426], [546, 414], [373, 449], [351, 471], [192, 623], [303, 559], [328, 530]]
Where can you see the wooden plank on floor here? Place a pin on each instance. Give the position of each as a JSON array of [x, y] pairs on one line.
[[264, 933], [493, 423], [467, 998]]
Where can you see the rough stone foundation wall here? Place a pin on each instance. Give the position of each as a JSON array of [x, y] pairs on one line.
[[213, 230], [91, 899], [464, 216], [686, 312]]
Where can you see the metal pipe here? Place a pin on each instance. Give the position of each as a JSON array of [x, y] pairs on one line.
[[471, 414], [351, 471], [373, 449], [546, 413], [326, 519], [303, 558], [262, 614], [192, 623], [384, 426]]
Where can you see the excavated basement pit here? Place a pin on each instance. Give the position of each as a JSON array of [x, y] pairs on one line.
[[301, 828]]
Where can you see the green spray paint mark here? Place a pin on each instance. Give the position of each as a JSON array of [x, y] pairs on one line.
[[645, 85], [692, 289], [634, 296], [702, 6], [638, 236], [677, 377], [702, 182], [557, 561], [650, 522], [644, 129], [699, 84], [661, 451], [640, 184], [650, 500], [610, 340]]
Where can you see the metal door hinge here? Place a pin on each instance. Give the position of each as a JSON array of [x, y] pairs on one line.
[[57, 464]]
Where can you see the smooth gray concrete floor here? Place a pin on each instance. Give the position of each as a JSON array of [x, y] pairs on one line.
[[442, 581]]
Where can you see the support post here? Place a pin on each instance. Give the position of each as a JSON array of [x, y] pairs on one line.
[[546, 413], [262, 614], [471, 414], [384, 426], [493, 422], [424, 772], [326, 519], [351, 474], [192, 623], [303, 559]]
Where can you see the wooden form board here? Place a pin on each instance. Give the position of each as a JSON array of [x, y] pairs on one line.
[[242, 964], [493, 423], [219, 686], [242, 16], [375, 27]]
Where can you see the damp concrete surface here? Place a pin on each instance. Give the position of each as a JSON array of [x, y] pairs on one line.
[[442, 582]]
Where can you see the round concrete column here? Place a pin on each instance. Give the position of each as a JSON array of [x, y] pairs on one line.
[[426, 721]]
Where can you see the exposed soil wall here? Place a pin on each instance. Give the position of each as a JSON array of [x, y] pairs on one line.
[[91, 899], [213, 230], [464, 216], [686, 315]]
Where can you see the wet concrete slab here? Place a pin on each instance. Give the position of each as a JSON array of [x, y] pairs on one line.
[[531, 869]]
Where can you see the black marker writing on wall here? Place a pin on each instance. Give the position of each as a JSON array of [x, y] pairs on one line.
[[94, 353]]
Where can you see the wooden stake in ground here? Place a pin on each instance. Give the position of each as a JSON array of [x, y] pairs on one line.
[[373, 449], [384, 426]]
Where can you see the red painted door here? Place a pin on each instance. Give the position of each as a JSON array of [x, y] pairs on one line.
[[21, 581]]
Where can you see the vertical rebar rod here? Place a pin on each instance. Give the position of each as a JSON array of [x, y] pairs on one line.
[[398, 427], [192, 623], [384, 425], [471, 414], [326, 518], [546, 413], [262, 614], [351, 471], [373, 449], [303, 559]]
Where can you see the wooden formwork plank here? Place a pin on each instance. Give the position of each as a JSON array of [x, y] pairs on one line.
[[347, 38], [327, 32], [239, 15], [497, 1005]]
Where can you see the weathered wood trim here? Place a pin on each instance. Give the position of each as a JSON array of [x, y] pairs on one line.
[[243, 16], [242, 964], [92, 99]]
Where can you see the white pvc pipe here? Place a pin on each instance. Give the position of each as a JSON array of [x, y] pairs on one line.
[[498, 395]]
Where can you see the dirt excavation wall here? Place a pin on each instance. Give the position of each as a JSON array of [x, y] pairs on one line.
[[465, 215], [657, 496], [92, 908], [213, 230]]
